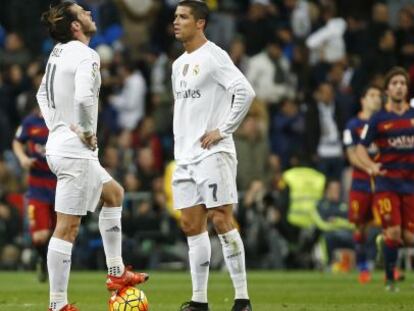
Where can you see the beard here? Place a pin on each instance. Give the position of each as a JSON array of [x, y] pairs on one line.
[[89, 29], [397, 99], [180, 39]]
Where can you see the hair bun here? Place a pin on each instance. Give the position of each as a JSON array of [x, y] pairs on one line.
[[51, 17]]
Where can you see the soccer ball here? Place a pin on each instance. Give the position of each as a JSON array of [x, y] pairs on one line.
[[128, 299]]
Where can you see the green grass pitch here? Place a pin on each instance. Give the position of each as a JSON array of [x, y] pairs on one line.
[[269, 290]]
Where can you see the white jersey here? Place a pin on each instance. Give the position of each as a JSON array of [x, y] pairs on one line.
[[210, 93], [70, 86]]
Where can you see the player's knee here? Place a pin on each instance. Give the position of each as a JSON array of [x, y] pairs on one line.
[[408, 238], [116, 196], [72, 233], [393, 234], [191, 227], [221, 221], [40, 237], [67, 231]]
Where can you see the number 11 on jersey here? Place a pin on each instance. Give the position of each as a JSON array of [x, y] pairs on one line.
[[50, 76]]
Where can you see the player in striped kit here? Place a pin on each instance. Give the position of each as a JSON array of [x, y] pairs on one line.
[[29, 148], [361, 193], [392, 131]]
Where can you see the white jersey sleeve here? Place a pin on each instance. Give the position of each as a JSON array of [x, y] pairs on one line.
[[41, 97], [230, 77], [85, 77], [224, 71]]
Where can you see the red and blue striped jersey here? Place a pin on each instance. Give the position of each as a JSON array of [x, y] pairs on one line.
[[394, 136], [42, 182], [361, 181]]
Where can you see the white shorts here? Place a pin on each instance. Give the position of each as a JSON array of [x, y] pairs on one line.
[[79, 184], [211, 182]]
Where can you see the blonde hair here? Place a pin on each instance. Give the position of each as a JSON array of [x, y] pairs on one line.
[[58, 20]]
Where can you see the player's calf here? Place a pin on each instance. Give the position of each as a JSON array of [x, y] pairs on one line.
[[41, 237], [391, 247], [112, 194], [222, 218], [408, 238]]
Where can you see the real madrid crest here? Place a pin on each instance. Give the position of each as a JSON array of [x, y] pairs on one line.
[[196, 70]]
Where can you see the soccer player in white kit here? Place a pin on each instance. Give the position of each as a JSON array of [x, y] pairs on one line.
[[211, 99], [68, 99]]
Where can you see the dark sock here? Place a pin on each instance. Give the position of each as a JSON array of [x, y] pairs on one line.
[[361, 256], [360, 252], [390, 258], [42, 251]]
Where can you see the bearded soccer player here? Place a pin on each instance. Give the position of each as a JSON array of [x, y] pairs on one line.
[[29, 148], [68, 99], [211, 99], [392, 130], [361, 194]]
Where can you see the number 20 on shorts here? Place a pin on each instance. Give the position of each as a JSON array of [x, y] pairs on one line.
[[384, 206]]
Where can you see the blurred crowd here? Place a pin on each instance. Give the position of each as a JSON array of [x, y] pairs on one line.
[[308, 62]]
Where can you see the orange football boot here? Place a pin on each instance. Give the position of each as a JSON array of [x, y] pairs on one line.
[[398, 275], [128, 278], [364, 277]]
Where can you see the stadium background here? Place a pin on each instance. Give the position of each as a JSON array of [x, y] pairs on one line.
[[295, 53]]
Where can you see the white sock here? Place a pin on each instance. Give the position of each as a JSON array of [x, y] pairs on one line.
[[58, 265], [233, 251], [111, 232], [199, 255]]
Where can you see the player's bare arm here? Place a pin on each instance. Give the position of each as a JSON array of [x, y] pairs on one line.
[[369, 166], [353, 158], [25, 161]]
